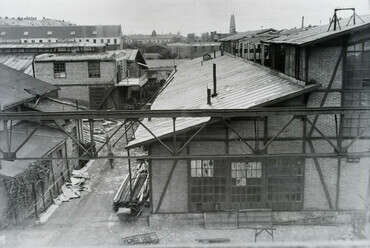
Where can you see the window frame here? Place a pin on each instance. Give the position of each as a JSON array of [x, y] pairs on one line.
[[59, 68], [94, 69]]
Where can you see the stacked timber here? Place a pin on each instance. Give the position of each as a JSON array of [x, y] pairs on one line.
[[139, 193]]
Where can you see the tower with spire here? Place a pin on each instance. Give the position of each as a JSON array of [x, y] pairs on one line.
[[232, 25]]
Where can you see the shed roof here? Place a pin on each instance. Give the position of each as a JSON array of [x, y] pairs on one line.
[[321, 33], [17, 87], [19, 62], [242, 35], [240, 85], [60, 32], [128, 54], [41, 143]]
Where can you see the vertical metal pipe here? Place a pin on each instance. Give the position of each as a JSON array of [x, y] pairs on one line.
[[214, 81], [174, 135], [91, 121], [209, 96]]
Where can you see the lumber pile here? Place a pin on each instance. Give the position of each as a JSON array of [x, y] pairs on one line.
[[140, 189]]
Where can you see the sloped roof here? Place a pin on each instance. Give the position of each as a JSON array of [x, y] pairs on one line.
[[128, 54], [17, 87], [151, 37], [19, 62], [320, 33], [240, 85], [60, 32], [242, 35], [42, 142], [194, 44], [50, 45], [160, 63]]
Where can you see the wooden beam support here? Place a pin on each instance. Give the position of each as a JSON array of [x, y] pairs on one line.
[[322, 180], [70, 136], [26, 139], [193, 136], [356, 138], [110, 137], [126, 130]]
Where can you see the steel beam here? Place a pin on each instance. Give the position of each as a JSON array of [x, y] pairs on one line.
[[211, 156], [322, 180], [240, 137], [220, 113], [276, 135]]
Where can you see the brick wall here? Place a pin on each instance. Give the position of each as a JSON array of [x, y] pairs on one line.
[[77, 73], [80, 93]]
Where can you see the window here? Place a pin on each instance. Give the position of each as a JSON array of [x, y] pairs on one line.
[[108, 40], [49, 33], [102, 41], [94, 40], [60, 70], [40, 41], [202, 168], [3, 33], [357, 78], [96, 96], [94, 69], [87, 40], [73, 33], [285, 184], [49, 41], [25, 33], [25, 41], [115, 41], [32, 41]]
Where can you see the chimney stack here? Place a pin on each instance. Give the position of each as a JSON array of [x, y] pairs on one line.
[[209, 96], [214, 54], [302, 22], [214, 81]]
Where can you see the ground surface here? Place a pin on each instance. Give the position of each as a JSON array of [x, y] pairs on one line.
[[90, 221]]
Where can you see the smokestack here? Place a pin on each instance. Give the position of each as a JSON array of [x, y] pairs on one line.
[[214, 81], [302, 22], [209, 96], [214, 54]]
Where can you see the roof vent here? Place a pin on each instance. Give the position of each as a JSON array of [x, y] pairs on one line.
[[25, 33], [95, 32], [3, 33], [49, 33], [73, 32], [207, 56]]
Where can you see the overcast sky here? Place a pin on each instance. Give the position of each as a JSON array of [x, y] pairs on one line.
[[186, 16]]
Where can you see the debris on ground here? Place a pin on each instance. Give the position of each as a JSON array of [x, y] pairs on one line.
[[79, 182], [146, 238]]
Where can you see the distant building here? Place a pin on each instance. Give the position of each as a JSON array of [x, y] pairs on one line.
[[103, 34], [112, 79], [193, 50], [153, 39], [232, 25]]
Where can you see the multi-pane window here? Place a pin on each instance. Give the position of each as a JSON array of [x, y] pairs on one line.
[[246, 183], [202, 168], [94, 69], [60, 70], [357, 79], [285, 184]]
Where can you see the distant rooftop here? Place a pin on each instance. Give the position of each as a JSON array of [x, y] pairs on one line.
[[59, 32], [127, 54], [242, 35], [321, 33], [194, 44]]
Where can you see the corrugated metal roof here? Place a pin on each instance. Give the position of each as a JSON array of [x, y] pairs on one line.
[[43, 141], [60, 32], [242, 35], [151, 37], [240, 85], [303, 37], [160, 63], [51, 45], [17, 87], [128, 54], [19, 62]]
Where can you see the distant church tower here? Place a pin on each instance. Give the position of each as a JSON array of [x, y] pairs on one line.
[[232, 25]]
